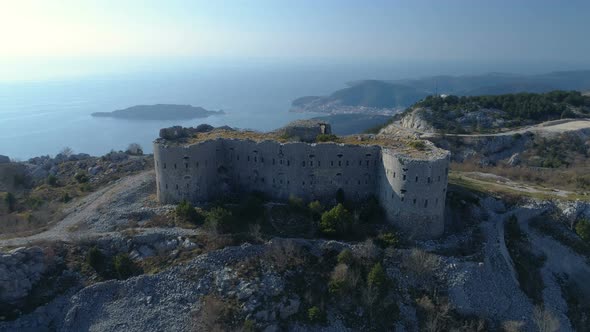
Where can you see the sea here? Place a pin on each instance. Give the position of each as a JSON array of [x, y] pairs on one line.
[[43, 116]]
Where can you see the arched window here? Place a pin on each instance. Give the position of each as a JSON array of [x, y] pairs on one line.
[[416, 179], [174, 166], [414, 201], [425, 203], [164, 165]]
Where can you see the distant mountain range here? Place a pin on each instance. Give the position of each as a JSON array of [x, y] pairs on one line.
[[159, 112], [387, 97]]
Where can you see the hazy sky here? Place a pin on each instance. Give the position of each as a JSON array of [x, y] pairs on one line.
[[435, 30]]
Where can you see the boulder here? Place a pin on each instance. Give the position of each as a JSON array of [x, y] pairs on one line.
[[20, 270], [117, 156], [39, 172], [94, 170]]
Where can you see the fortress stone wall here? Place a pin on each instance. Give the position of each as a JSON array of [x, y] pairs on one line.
[[411, 190]]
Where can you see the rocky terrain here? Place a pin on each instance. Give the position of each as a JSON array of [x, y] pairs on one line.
[[467, 279]]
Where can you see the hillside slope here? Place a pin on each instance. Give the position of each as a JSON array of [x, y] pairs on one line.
[[387, 97]]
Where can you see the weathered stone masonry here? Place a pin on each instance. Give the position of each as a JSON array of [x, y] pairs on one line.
[[411, 190]]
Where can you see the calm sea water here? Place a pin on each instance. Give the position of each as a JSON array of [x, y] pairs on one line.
[[38, 118], [43, 117]]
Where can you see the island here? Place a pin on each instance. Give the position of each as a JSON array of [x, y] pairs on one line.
[[159, 112]]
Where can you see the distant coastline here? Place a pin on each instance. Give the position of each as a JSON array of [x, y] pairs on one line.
[[159, 112]]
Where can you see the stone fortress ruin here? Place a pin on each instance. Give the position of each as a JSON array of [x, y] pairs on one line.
[[408, 177]]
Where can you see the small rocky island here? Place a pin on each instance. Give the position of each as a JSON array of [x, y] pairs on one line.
[[159, 112]]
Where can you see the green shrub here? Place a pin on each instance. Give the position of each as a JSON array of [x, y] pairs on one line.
[[418, 145], [10, 201], [345, 257], [52, 180], [34, 202], [81, 177], [219, 219], [315, 315], [316, 208], [326, 138], [86, 187], [296, 203], [335, 286], [96, 260], [336, 221], [124, 266], [387, 240], [377, 279], [583, 229], [66, 198], [185, 211], [249, 326]]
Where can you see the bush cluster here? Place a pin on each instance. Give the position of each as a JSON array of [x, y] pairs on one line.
[[326, 138], [336, 221], [121, 266], [186, 212], [518, 107]]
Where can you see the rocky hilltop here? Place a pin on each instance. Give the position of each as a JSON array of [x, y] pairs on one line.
[[159, 112], [488, 114], [92, 249]]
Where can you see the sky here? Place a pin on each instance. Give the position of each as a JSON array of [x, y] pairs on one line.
[[54, 34]]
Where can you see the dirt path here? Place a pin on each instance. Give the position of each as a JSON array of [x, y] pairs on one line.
[[99, 213], [549, 127]]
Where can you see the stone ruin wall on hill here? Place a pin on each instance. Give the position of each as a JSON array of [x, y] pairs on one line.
[[411, 191]]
